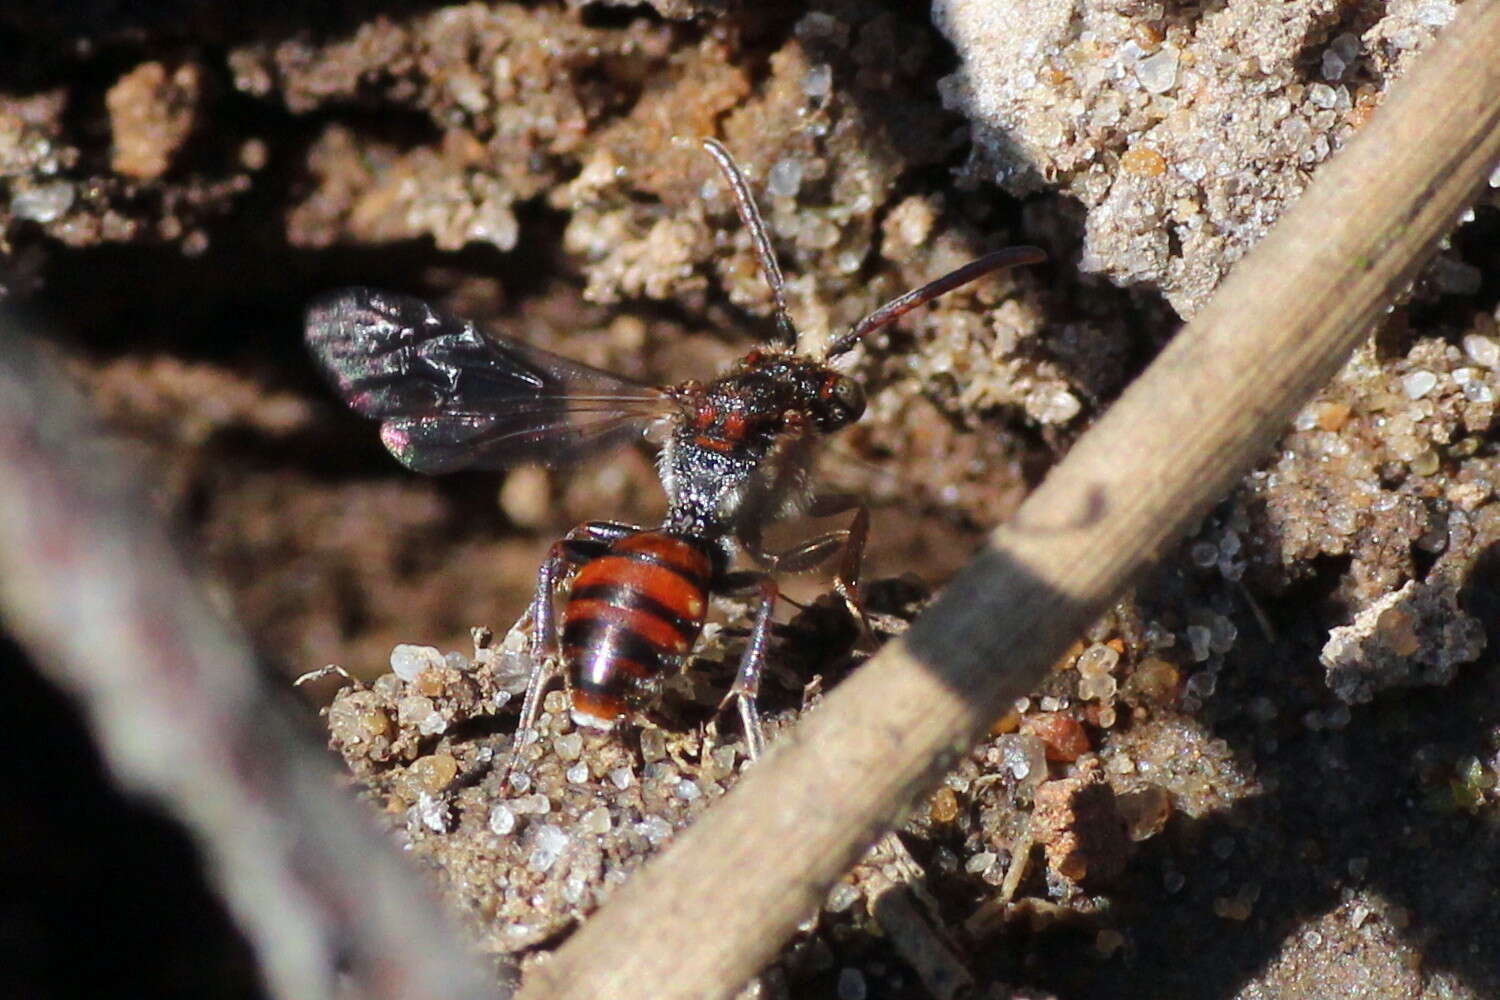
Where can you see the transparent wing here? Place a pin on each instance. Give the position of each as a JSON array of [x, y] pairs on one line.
[[449, 397]]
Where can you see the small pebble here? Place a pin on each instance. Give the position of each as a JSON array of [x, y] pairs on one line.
[[655, 829], [852, 984], [433, 772], [818, 81], [1479, 392], [1156, 679], [408, 661], [1052, 405], [1482, 350], [1145, 812], [1418, 384], [1435, 14], [841, 897], [1098, 659], [434, 811], [943, 806], [1425, 463], [1062, 736], [1236, 907], [532, 804], [723, 759], [1346, 46], [818, 26], [1107, 942], [596, 821], [980, 863], [1158, 72], [1322, 95], [1097, 688], [653, 744], [1147, 35], [661, 772], [1024, 756], [548, 845], [44, 202], [1332, 416], [1202, 684], [1143, 161], [687, 790], [569, 746], [1221, 634], [621, 777], [1200, 640], [526, 496], [574, 889], [358, 718], [420, 713], [784, 178], [502, 820]]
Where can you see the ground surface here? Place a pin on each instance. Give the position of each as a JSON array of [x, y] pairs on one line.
[[1270, 772]]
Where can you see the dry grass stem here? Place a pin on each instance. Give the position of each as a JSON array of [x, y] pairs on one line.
[[91, 583]]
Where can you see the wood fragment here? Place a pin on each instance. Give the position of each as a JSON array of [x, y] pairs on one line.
[[732, 888]]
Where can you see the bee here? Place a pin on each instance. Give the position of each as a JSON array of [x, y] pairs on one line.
[[735, 456]]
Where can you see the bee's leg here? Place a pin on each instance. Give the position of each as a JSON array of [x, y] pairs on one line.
[[849, 543], [587, 541], [746, 685], [831, 504], [846, 577]]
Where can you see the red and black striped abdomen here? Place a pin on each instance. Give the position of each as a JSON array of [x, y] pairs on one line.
[[631, 614]]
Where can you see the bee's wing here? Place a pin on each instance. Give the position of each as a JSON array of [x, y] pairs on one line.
[[449, 397]]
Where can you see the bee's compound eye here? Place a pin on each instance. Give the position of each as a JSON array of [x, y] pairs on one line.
[[850, 399]]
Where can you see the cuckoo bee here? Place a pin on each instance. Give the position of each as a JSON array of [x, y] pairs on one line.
[[736, 456]]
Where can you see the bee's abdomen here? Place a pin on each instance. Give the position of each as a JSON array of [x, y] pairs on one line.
[[631, 614]]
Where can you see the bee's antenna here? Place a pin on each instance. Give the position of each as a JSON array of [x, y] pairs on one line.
[[902, 304], [744, 203]]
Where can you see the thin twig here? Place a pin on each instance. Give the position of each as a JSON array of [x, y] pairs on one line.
[[725, 896], [905, 911], [911, 933], [91, 584]]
